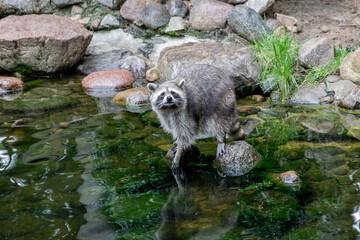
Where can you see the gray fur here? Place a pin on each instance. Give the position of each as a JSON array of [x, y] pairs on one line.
[[203, 104]]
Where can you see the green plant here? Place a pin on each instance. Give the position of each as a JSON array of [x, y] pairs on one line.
[[277, 56], [316, 74]]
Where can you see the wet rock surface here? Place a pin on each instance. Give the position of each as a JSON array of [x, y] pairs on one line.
[[56, 46], [239, 158], [108, 79]]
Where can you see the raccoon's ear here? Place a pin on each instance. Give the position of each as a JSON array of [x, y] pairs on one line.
[[181, 83], [152, 87]]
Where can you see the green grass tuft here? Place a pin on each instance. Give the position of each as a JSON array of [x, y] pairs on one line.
[[277, 57]]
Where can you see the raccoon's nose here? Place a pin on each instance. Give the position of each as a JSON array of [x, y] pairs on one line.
[[169, 98]]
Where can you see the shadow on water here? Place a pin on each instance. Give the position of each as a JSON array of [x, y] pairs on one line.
[[74, 166]]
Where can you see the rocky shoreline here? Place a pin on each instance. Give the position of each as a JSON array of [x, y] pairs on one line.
[[153, 40]]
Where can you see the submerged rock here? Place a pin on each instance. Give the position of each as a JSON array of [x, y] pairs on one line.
[[209, 14], [290, 178], [134, 98], [41, 43], [247, 23], [239, 158]]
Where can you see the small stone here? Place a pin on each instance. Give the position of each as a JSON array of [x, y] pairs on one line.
[[290, 178], [325, 29], [352, 100], [258, 98], [332, 78], [84, 21], [131, 9], [308, 94], [316, 52], [177, 8], [108, 79], [133, 96], [75, 10], [152, 75], [260, 6], [76, 17], [209, 14], [95, 24], [109, 21], [275, 96], [154, 15], [327, 100], [288, 21], [11, 84], [176, 24]]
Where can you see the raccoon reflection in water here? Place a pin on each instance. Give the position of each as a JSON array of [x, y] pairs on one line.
[[200, 102]]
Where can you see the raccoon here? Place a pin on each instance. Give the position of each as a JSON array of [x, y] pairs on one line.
[[200, 102]]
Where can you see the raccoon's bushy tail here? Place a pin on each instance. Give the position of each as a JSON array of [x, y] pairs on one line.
[[236, 132]]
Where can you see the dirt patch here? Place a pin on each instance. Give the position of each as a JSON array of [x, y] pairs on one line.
[[336, 19]]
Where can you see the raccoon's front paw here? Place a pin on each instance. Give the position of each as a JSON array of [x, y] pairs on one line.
[[220, 149]]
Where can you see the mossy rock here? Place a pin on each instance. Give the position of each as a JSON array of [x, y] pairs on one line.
[[38, 100]]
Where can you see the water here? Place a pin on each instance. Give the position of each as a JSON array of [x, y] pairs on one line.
[[74, 166]]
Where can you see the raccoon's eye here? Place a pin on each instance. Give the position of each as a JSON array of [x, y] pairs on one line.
[[172, 92], [162, 94]]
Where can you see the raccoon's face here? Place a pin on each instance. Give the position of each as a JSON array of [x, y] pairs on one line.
[[169, 95]]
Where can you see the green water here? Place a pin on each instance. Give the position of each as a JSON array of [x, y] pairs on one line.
[[74, 166]]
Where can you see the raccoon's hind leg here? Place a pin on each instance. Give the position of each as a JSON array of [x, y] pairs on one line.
[[221, 145]]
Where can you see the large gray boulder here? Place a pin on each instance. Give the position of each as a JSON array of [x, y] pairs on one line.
[[247, 23], [239, 158], [236, 61], [41, 43]]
